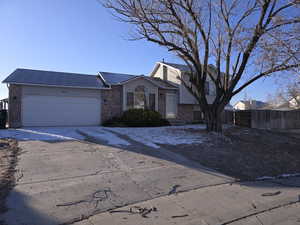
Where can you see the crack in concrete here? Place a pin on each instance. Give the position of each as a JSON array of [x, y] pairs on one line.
[[261, 223], [261, 212], [99, 172], [86, 217], [183, 191]]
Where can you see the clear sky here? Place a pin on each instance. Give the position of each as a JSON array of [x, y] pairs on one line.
[[78, 36]]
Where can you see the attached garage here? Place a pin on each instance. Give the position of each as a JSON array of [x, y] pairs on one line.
[[44, 106], [45, 98]]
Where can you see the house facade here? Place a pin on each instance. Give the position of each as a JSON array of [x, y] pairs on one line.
[[44, 98], [187, 108], [250, 104]]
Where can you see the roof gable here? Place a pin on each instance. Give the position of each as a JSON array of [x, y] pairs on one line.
[[115, 78], [155, 81], [181, 67]]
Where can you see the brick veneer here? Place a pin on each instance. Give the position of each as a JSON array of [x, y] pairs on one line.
[[185, 113], [14, 106], [111, 103]]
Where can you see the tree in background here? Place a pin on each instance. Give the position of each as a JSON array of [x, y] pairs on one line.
[[245, 40], [286, 97]]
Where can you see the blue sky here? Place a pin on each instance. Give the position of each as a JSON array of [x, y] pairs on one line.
[[78, 36]]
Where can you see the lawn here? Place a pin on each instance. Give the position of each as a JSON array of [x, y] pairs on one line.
[[245, 153], [8, 160]]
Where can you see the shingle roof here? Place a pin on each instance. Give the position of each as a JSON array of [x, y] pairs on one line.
[[119, 78], [181, 67], [49, 78], [161, 83], [185, 68], [116, 78]]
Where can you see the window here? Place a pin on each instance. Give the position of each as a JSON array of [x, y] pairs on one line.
[[140, 97], [165, 73], [206, 88], [129, 100], [152, 102]]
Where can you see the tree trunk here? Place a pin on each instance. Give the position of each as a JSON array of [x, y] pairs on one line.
[[213, 119]]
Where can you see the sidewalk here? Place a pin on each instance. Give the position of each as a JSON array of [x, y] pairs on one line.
[[249, 203]]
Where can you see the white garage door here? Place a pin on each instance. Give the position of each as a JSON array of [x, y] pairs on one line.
[[60, 111]]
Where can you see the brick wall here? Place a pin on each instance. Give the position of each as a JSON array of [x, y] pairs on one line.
[[111, 103], [185, 112], [14, 106]]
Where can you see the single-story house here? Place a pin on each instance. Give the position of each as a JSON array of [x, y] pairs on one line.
[[250, 104], [44, 98]]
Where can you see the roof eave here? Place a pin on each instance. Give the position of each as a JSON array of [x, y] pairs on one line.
[[172, 67], [157, 64], [146, 78], [48, 85], [103, 80]]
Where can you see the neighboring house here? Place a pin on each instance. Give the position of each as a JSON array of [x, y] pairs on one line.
[[4, 104], [291, 104], [44, 98], [294, 103], [229, 107], [249, 104]]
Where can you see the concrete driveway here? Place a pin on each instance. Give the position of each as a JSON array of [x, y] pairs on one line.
[[60, 182], [62, 179]]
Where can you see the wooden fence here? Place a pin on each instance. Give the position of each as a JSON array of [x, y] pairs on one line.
[[227, 117], [270, 119], [242, 118]]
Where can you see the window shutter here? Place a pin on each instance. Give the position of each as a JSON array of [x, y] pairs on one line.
[[129, 100], [152, 102]]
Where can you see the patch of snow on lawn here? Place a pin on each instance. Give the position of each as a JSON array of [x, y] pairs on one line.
[[171, 135], [104, 135], [279, 176]]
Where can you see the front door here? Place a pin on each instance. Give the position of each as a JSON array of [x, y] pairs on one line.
[[171, 106]]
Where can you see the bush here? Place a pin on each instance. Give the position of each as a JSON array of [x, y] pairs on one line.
[[3, 118], [137, 118]]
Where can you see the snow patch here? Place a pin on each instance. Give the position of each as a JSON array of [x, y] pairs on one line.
[[170, 135], [149, 136], [42, 134], [279, 176], [104, 135]]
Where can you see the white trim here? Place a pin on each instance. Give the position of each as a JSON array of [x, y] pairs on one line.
[[157, 64], [161, 63], [46, 85], [176, 105], [103, 80], [124, 98], [147, 78]]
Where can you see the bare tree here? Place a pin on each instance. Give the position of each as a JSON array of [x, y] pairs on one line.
[[293, 94], [288, 97], [233, 35]]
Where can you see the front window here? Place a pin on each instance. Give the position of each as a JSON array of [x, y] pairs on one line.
[[140, 98]]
